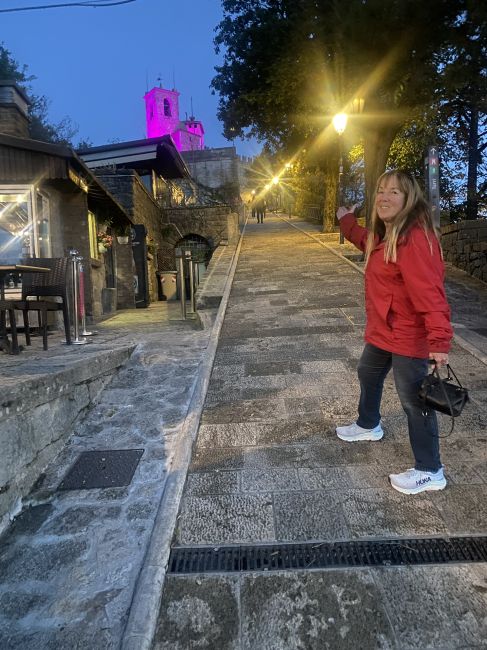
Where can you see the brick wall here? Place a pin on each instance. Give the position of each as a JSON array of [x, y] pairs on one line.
[[74, 229], [465, 246]]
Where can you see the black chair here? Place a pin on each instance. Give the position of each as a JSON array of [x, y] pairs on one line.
[[41, 285], [8, 307]]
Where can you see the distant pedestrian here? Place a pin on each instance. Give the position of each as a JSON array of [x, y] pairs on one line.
[[408, 320], [253, 207], [261, 208]]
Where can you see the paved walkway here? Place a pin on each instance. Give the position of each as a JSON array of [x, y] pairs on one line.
[[80, 569], [70, 563], [268, 468]]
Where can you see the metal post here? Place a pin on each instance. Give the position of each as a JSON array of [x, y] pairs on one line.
[[189, 262], [192, 282], [81, 297], [75, 281], [340, 183], [182, 287]]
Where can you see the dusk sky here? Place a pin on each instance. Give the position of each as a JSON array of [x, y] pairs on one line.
[[95, 64]]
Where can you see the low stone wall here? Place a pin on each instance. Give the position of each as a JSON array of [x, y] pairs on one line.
[[37, 413], [212, 285], [465, 246]]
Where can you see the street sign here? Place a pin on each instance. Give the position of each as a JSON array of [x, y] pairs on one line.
[[432, 182]]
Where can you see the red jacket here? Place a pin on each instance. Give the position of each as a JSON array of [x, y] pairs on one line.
[[405, 301]]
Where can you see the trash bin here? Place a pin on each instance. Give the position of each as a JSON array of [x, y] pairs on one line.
[[169, 285]]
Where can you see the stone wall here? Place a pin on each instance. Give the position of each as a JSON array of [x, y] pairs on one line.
[[126, 186], [465, 246], [125, 271], [219, 169], [13, 122], [217, 225], [36, 418]]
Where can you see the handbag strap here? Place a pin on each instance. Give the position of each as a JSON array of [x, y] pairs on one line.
[[445, 394], [450, 370], [436, 372]]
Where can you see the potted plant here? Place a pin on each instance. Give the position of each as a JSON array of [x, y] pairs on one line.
[[105, 241], [123, 234]]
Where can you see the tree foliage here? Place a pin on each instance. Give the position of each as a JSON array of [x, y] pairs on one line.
[[289, 65]]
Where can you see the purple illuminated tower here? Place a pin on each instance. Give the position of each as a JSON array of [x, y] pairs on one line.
[[162, 117]]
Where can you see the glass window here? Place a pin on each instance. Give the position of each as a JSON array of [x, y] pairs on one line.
[[167, 108], [24, 224], [17, 236]]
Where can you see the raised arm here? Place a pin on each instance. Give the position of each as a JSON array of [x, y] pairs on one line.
[[351, 229]]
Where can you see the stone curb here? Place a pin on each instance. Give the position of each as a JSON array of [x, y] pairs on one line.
[[469, 347], [144, 610]]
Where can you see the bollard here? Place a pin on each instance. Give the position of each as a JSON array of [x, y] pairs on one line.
[[75, 282], [192, 294], [182, 287], [81, 297]]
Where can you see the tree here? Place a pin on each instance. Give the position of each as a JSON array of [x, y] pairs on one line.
[[40, 127], [464, 106], [289, 65]]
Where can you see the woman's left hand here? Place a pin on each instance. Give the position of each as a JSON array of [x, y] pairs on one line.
[[440, 358]]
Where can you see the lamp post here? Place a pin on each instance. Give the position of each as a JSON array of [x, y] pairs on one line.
[[340, 124], [275, 181]]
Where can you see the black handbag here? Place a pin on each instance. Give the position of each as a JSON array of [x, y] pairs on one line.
[[443, 395]]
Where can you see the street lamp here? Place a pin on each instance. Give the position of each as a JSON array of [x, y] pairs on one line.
[[340, 124], [275, 181]]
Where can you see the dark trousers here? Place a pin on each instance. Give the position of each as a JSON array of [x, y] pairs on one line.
[[408, 373]]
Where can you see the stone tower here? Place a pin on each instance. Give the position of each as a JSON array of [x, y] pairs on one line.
[[162, 111], [162, 118]]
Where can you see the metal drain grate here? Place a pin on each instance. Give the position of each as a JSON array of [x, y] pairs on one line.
[[102, 469], [328, 554]]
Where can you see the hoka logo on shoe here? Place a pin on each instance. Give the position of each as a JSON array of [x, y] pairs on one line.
[[424, 480]]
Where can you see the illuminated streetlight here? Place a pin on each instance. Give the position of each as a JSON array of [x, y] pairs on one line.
[[275, 180], [340, 122]]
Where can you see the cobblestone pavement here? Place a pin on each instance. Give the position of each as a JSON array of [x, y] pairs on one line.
[[70, 562], [268, 468]]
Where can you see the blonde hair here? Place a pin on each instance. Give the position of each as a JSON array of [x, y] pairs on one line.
[[415, 211]]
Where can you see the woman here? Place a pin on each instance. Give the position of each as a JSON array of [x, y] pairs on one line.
[[408, 320]]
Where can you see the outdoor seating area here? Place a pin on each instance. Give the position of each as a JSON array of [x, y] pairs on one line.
[[43, 282]]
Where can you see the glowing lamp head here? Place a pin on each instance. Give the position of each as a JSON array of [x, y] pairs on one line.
[[340, 122], [275, 180]]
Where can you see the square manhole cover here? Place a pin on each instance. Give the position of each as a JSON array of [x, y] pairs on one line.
[[102, 469]]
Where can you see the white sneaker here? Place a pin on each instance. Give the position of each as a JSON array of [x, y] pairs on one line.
[[414, 481], [353, 432]]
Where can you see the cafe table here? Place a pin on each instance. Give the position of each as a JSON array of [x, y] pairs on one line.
[[6, 270]]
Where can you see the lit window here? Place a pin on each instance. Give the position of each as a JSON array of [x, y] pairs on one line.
[[17, 238], [92, 235]]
